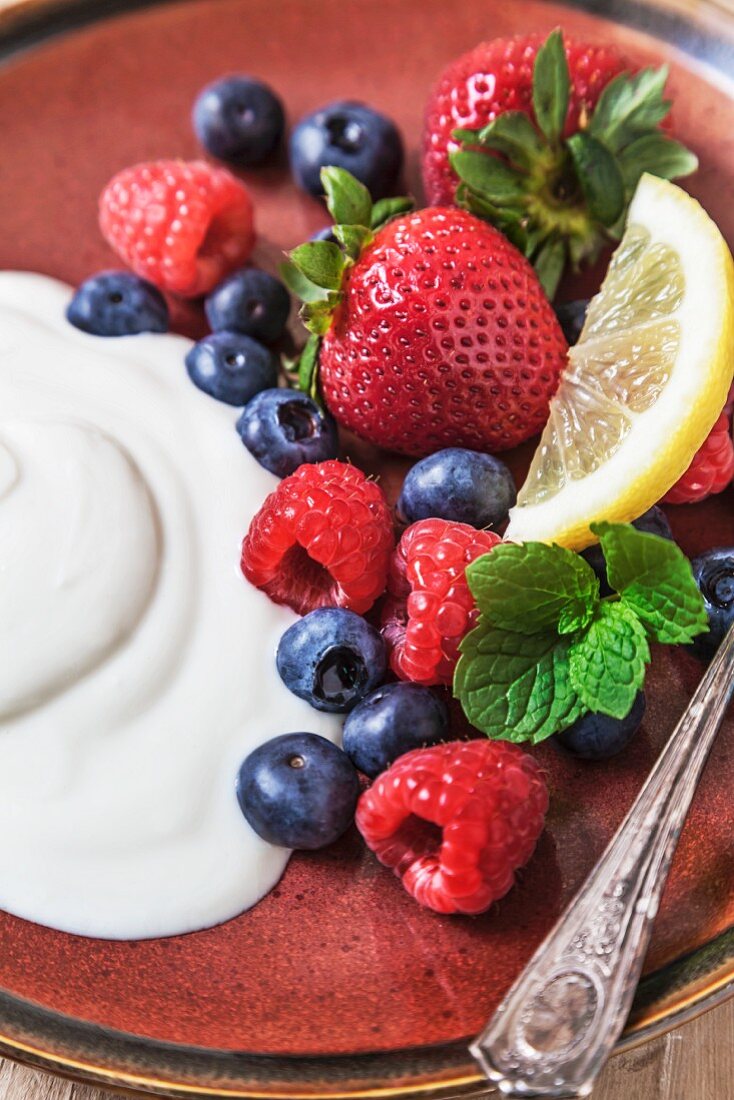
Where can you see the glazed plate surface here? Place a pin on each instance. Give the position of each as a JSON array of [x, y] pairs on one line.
[[336, 983]]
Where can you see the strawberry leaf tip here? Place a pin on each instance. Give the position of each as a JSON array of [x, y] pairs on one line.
[[559, 197]]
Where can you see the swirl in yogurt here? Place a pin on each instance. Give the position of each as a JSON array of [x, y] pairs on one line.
[[136, 665]]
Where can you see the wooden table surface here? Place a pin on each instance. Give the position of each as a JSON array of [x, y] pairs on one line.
[[695, 1062]]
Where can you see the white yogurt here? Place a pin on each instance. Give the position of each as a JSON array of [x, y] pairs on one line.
[[136, 664]]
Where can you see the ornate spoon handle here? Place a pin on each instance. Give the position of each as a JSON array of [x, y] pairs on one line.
[[557, 1025]]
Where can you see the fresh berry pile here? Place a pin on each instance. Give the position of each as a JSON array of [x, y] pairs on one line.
[[432, 334], [456, 821]]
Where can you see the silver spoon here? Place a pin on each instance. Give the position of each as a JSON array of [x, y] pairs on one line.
[[558, 1024]]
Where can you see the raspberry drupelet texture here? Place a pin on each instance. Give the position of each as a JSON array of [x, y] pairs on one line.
[[183, 225], [323, 538], [456, 821], [712, 468], [443, 338], [495, 77], [429, 607]]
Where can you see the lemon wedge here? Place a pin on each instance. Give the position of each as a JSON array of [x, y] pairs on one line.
[[647, 379]]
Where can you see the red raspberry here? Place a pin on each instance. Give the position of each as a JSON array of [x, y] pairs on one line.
[[455, 821], [183, 225], [429, 607], [712, 468], [323, 538]]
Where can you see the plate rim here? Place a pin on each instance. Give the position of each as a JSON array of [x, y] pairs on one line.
[[29, 1031]]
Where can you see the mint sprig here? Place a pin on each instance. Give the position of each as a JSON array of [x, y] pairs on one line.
[[560, 199], [547, 649]]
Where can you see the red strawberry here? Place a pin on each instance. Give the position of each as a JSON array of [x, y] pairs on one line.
[[454, 822], [547, 141], [182, 225], [429, 607], [712, 468], [436, 334], [495, 77], [322, 539]]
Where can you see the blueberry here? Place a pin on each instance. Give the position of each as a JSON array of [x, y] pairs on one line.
[[390, 722], [252, 302], [325, 234], [331, 658], [652, 522], [458, 485], [714, 574], [571, 316], [348, 135], [283, 429], [117, 303], [231, 367], [239, 120], [598, 736], [298, 791]]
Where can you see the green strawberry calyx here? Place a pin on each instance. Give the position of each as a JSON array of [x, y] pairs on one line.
[[315, 271], [561, 199]]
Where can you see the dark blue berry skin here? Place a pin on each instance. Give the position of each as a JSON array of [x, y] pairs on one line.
[[118, 303], [251, 302], [458, 485], [571, 316], [238, 120], [331, 658], [652, 522], [231, 367], [283, 429], [325, 234], [390, 722], [714, 574], [597, 736], [298, 791], [347, 135]]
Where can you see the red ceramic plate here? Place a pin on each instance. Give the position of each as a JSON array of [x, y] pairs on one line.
[[337, 983]]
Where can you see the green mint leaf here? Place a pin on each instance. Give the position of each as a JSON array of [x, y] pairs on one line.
[[655, 580], [655, 153], [317, 316], [607, 662], [629, 106], [549, 262], [599, 176], [514, 135], [347, 200], [354, 238], [322, 263], [308, 367], [487, 175], [534, 587], [516, 687], [551, 86], [385, 210], [299, 285]]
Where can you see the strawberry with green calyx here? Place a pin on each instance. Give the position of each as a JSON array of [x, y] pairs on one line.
[[315, 270], [560, 198], [428, 328]]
